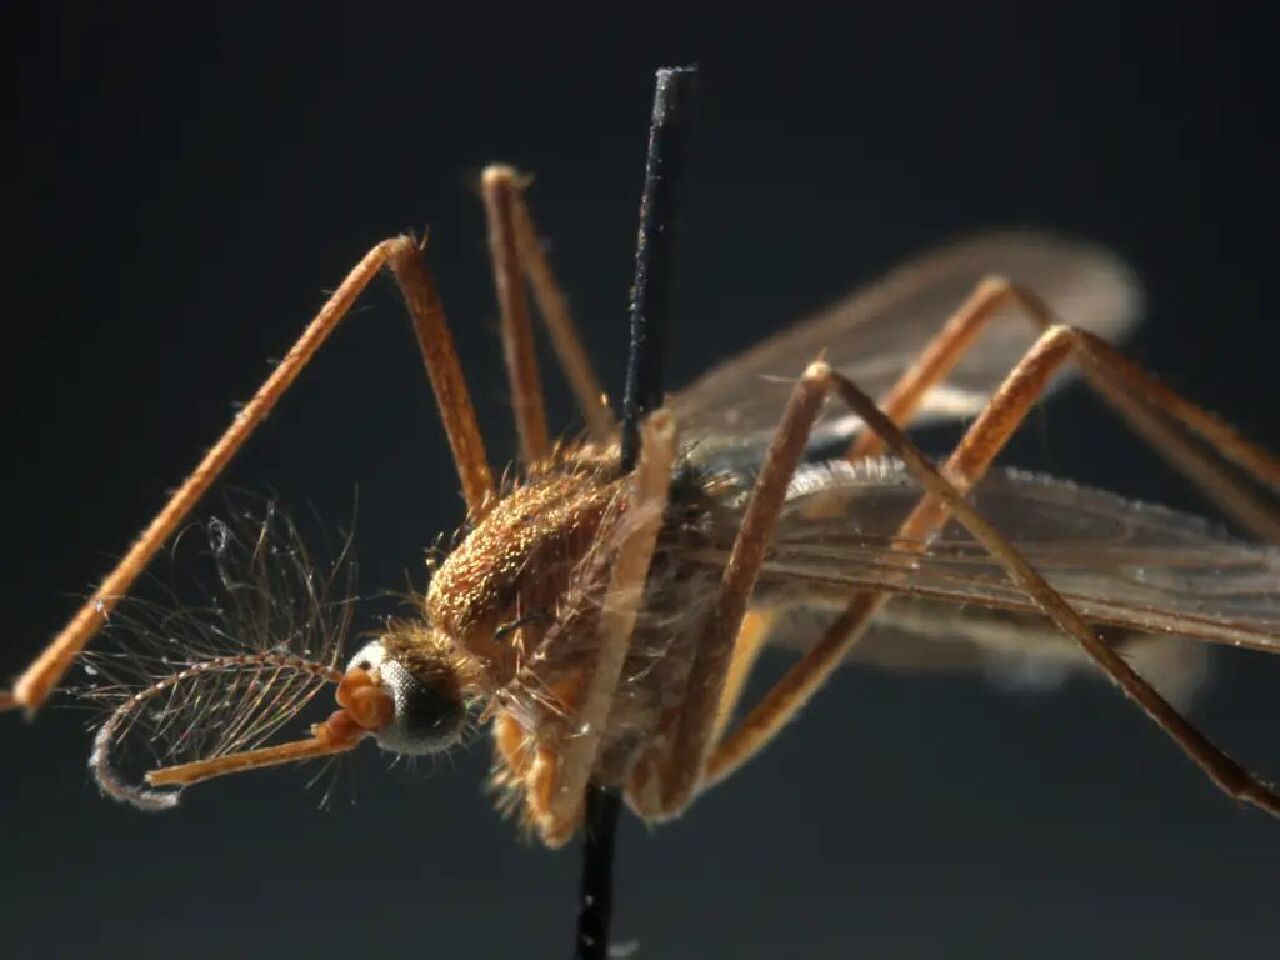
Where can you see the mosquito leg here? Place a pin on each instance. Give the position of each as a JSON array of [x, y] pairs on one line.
[[1149, 407], [644, 786], [746, 651], [404, 258], [421, 297], [564, 336], [499, 186], [944, 498], [559, 780], [663, 781]]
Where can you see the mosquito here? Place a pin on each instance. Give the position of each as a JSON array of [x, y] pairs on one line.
[[602, 623]]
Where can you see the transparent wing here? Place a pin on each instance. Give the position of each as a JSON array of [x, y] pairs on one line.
[[873, 335], [1017, 651], [1128, 567]]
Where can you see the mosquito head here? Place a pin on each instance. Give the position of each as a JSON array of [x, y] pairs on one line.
[[414, 703]]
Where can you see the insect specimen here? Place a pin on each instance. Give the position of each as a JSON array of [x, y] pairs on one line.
[[605, 622]]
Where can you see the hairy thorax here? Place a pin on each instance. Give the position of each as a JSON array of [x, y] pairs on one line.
[[520, 598]]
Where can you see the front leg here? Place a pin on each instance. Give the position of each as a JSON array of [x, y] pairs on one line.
[[403, 257]]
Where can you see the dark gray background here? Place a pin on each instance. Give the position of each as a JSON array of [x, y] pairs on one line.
[[187, 187]]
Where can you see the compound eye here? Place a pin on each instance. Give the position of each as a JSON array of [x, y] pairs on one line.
[[428, 717], [369, 658]]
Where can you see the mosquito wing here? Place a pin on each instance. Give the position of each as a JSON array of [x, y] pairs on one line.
[[1143, 575], [873, 335]]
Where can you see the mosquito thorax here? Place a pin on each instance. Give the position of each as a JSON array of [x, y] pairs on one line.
[[429, 712], [515, 565]]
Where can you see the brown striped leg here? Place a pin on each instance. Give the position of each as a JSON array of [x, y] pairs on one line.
[[944, 498], [403, 257], [1150, 408]]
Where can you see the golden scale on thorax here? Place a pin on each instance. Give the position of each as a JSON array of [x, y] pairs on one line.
[[514, 609]]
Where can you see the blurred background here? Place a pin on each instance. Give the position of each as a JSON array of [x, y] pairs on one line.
[[190, 182]]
